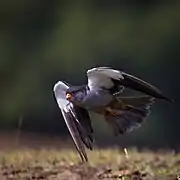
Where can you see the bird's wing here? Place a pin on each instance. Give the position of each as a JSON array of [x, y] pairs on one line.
[[74, 117], [108, 78], [101, 77]]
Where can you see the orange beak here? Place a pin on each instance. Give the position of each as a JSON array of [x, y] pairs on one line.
[[68, 96]]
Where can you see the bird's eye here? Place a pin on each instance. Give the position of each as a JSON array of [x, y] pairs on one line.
[[68, 96]]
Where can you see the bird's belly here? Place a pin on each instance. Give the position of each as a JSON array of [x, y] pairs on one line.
[[114, 108], [97, 99]]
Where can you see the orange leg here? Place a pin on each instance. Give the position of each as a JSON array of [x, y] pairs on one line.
[[111, 111]]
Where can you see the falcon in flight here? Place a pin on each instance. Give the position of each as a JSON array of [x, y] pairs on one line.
[[102, 96]]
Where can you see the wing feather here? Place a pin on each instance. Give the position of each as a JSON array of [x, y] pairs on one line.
[[101, 77], [71, 124], [111, 79], [71, 115], [138, 84], [82, 127]]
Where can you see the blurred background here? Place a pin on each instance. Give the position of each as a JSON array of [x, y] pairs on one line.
[[43, 41]]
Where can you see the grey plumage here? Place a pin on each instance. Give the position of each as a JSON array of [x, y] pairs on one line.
[[102, 95]]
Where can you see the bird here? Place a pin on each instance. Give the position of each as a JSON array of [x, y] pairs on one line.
[[102, 95]]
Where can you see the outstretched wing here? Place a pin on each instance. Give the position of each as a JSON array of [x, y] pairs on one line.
[[74, 116], [108, 78]]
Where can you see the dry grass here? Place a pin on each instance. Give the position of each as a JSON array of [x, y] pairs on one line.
[[103, 164]]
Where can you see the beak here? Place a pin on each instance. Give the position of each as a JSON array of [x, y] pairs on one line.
[[68, 96]]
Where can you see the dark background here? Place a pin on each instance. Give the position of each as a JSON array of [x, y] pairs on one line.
[[43, 41]]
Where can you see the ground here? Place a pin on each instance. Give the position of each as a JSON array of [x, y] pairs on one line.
[[64, 164]]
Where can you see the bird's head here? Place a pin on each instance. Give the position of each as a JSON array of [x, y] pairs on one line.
[[75, 94]]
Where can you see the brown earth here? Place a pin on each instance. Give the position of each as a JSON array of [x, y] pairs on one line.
[[41, 158], [65, 164]]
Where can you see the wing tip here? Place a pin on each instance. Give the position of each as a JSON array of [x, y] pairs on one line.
[[164, 97], [168, 99]]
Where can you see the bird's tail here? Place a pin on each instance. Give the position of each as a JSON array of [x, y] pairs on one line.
[[132, 113]]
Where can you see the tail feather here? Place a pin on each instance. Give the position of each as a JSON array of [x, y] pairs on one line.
[[134, 111]]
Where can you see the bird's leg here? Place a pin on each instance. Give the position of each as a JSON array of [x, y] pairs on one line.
[[111, 111], [120, 104]]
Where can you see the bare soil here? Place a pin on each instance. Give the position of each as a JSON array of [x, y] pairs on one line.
[[40, 159]]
